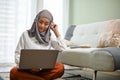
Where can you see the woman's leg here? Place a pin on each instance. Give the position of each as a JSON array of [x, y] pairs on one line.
[[46, 74], [50, 74], [16, 74]]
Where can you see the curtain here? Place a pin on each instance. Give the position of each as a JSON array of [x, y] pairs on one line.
[[56, 8], [60, 11], [7, 28], [15, 17]]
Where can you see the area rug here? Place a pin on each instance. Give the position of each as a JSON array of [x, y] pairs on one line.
[[4, 70], [5, 67], [70, 75], [1, 78], [77, 77]]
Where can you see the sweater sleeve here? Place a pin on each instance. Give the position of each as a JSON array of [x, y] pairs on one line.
[[58, 43], [20, 46]]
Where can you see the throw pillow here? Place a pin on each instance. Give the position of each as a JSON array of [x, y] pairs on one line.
[[69, 32], [110, 37]]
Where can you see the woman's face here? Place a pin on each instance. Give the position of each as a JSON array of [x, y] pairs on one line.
[[43, 24]]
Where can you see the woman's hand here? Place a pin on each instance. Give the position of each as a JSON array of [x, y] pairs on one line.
[[54, 27]]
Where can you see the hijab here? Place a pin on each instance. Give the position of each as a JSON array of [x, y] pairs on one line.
[[42, 37]]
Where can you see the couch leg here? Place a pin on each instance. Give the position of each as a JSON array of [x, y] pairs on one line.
[[95, 75]]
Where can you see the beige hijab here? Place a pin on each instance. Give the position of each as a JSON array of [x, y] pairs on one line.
[[42, 37]]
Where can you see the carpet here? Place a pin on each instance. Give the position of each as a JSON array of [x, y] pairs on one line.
[[69, 74], [5, 67], [1, 78], [5, 76], [4, 70], [76, 77]]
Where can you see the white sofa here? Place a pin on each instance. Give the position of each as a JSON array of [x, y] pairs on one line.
[[94, 63]]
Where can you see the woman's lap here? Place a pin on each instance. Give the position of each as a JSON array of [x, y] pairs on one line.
[[46, 74]]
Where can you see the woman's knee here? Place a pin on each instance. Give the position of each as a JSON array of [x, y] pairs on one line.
[[13, 70], [60, 67], [13, 73]]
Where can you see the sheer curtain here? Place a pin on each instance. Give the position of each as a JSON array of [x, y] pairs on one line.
[[15, 17], [59, 9], [7, 28]]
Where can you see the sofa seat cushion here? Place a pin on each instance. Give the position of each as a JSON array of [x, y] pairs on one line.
[[85, 57]]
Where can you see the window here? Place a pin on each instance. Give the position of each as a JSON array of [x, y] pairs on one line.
[[7, 28], [15, 17]]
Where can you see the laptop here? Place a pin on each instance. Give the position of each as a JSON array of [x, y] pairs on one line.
[[37, 58]]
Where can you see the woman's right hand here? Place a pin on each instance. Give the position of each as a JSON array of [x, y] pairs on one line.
[[54, 27]]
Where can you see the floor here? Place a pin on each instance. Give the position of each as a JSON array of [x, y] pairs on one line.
[[5, 76], [5, 68]]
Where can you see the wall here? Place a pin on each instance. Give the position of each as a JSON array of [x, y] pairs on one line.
[[87, 11]]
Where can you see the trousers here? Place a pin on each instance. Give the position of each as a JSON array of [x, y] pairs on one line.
[[44, 74]]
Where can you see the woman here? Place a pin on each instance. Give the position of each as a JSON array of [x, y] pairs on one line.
[[39, 37]]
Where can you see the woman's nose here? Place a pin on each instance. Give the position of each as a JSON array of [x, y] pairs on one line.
[[42, 25]]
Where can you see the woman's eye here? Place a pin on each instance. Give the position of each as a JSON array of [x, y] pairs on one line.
[[40, 22], [46, 24]]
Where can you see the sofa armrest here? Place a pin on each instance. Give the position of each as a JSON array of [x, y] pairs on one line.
[[76, 57], [112, 52], [102, 59]]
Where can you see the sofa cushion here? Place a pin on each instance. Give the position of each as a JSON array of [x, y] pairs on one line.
[[88, 57], [87, 33], [110, 37]]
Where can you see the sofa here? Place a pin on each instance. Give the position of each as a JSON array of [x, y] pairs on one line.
[[86, 57]]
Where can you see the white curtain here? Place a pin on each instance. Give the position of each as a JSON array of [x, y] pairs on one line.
[[7, 28], [15, 17], [59, 9]]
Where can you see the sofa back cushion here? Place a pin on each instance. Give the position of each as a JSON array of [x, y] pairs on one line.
[[87, 33], [110, 37]]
